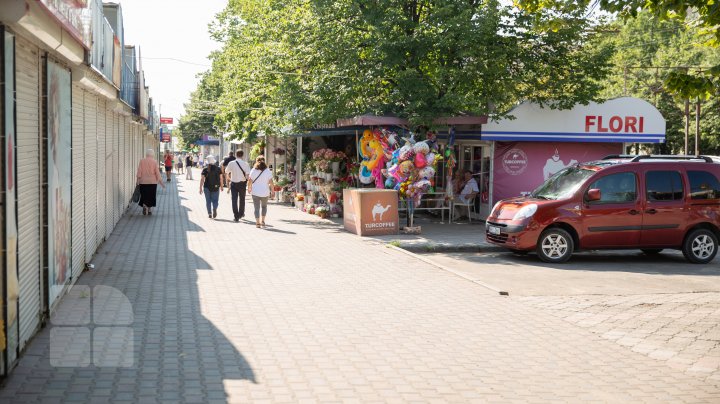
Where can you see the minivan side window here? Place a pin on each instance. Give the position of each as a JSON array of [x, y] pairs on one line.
[[664, 186], [703, 185], [616, 188]]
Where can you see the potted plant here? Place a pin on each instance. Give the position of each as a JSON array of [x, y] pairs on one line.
[[322, 211], [300, 202]]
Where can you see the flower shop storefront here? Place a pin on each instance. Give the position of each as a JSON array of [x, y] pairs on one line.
[[540, 142]]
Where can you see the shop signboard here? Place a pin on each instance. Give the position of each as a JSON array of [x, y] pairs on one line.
[[520, 167], [166, 120], [622, 120], [370, 212], [165, 135]]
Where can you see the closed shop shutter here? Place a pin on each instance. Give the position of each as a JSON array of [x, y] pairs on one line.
[[90, 159], [101, 165], [109, 172], [78, 182], [28, 180]]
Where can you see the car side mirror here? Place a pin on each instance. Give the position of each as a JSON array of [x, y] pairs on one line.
[[594, 195]]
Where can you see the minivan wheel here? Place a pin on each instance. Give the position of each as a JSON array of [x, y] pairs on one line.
[[555, 245], [700, 246], [651, 251]]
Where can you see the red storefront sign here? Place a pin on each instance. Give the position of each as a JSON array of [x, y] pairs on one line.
[[166, 120]]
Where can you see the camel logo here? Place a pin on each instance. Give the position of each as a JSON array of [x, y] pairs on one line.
[[515, 162], [379, 210]]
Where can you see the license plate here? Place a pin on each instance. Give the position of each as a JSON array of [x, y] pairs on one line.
[[493, 230]]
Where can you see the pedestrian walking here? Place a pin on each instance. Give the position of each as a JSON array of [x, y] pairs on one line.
[[236, 174], [148, 177], [180, 164], [227, 160], [211, 183], [259, 185], [168, 165], [188, 167]]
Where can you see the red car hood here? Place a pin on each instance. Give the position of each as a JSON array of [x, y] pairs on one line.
[[507, 208]]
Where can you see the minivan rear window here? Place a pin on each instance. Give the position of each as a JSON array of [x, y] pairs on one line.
[[664, 186], [703, 185]]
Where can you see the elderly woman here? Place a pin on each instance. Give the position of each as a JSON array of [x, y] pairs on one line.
[[148, 176]]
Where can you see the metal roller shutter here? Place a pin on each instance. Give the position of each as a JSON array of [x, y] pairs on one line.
[[101, 165], [91, 168], [78, 182], [28, 180], [109, 172]]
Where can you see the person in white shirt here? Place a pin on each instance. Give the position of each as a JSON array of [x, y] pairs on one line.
[[469, 190], [236, 174], [259, 185]]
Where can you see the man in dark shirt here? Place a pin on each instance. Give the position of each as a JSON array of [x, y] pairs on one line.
[[227, 161]]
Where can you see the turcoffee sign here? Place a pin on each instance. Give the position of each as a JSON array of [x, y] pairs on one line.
[[370, 212]]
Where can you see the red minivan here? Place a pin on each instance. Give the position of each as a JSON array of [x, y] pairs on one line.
[[621, 202]]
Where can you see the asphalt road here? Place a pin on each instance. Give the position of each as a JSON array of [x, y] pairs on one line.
[[597, 272]]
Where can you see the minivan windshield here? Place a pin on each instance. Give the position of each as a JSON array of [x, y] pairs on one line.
[[563, 184]]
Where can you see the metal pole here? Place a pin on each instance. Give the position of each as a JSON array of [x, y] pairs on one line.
[[298, 166], [697, 127], [687, 123]]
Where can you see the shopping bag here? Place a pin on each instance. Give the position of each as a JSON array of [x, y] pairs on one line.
[[136, 194]]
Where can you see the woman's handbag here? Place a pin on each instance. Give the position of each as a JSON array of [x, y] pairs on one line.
[[136, 194]]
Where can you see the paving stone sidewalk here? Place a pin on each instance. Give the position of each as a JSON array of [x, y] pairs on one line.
[[682, 329], [305, 312]]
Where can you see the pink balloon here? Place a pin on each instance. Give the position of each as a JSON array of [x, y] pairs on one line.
[[420, 160]]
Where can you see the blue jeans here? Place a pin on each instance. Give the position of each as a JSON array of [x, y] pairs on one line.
[[211, 198]]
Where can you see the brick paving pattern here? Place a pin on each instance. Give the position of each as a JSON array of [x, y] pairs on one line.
[[304, 312], [682, 329]]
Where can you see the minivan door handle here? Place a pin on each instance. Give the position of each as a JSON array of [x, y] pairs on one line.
[[651, 211], [633, 212]]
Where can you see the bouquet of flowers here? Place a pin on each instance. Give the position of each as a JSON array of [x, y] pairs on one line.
[[322, 211], [310, 208], [300, 197]]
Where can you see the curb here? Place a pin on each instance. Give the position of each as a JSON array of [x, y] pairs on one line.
[[442, 248], [452, 271]]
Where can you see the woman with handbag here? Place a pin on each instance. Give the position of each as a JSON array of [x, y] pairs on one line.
[[259, 186], [148, 176]]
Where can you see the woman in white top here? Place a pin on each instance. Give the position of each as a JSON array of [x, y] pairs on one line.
[[260, 185]]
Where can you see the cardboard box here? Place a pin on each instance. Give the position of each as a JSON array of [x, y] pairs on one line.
[[370, 212]]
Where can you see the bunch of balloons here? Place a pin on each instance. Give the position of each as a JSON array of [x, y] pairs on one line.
[[411, 169]]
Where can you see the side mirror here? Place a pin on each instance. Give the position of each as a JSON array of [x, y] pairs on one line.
[[594, 195]]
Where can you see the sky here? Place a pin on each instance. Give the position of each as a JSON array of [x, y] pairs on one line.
[[166, 30]]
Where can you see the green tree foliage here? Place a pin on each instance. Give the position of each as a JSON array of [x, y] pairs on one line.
[[200, 111], [300, 63], [702, 16], [646, 51]]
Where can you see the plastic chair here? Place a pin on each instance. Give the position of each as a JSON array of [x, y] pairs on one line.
[[470, 204]]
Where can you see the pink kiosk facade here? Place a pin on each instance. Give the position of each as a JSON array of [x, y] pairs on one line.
[[540, 141]]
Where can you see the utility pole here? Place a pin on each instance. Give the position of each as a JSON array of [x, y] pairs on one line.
[[697, 127], [687, 124]]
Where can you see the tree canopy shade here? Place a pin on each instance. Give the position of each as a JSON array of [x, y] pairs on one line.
[[300, 63], [704, 15]]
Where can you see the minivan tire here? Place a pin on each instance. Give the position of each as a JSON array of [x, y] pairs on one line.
[[555, 245], [700, 246]]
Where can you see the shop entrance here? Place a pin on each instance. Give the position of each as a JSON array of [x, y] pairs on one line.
[[476, 158]]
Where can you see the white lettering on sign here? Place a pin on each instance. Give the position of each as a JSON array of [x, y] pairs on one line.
[[380, 225], [616, 124]]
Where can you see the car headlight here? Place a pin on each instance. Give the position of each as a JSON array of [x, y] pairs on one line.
[[525, 212]]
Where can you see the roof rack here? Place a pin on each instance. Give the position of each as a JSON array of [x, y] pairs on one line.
[[619, 156], [667, 157]]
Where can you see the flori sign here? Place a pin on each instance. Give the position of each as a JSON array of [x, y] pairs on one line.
[[621, 120]]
